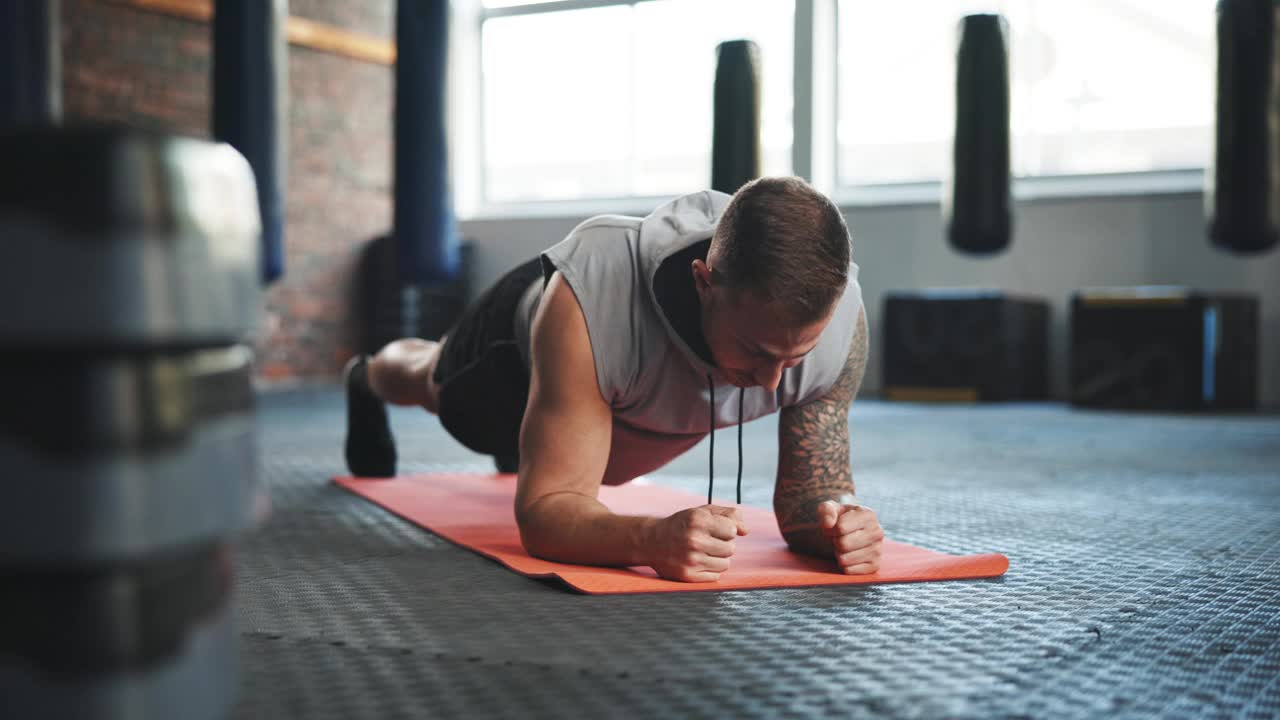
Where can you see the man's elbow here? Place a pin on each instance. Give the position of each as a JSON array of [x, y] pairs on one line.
[[534, 532], [807, 541], [535, 543], [526, 522], [549, 523]]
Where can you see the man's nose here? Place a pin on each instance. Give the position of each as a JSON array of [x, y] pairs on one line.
[[769, 376]]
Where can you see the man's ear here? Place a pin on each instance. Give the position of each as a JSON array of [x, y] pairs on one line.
[[702, 279]]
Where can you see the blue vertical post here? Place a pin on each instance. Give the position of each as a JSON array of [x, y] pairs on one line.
[[250, 101], [30, 67], [426, 237]]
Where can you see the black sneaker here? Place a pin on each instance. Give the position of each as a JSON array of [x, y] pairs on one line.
[[507, 463], [370, 446]]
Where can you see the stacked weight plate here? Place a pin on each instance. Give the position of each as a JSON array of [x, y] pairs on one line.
[[129, 271]]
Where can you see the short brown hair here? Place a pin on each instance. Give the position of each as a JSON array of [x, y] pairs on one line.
[[785, 242]]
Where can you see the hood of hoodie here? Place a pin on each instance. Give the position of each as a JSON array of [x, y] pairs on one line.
[[666, 231]]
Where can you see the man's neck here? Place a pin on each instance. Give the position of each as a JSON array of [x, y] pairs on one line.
[[678, 298]]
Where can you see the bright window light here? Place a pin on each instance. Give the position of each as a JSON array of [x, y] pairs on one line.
[[513, 3], [616, 101], [1097, 86]]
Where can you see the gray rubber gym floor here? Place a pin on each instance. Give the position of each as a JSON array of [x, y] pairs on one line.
[[1144, 581]]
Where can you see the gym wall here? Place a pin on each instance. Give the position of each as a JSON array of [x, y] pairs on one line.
[[152, 70], [1059, 245]]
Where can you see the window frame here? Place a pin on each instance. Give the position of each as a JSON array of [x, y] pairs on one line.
[[814, 151]]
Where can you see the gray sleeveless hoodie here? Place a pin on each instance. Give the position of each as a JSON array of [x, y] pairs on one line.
[[656, 384]]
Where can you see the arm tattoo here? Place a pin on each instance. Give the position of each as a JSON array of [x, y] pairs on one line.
[[813, 453]]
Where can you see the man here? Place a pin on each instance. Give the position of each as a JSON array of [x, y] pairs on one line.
[[619, 349]]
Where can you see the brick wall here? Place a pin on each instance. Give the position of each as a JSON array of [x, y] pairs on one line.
[[375, 18], [142, 69], [153, 71]]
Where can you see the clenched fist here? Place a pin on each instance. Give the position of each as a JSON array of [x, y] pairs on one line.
[[855, 535], [695, 545]]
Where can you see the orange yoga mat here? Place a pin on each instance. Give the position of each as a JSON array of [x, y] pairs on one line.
[[476, 512]]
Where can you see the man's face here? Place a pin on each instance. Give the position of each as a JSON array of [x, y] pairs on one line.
[[753, 341]]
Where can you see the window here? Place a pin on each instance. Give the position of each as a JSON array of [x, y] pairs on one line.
[[615, 101], [513, 3], [1097, 86], [605, 99]]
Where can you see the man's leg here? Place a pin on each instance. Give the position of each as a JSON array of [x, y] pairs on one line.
[[401, 373], [482, 389]]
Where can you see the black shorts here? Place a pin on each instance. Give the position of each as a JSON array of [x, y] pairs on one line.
[[484, 384]]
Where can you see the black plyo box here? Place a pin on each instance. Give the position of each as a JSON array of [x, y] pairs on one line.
[[1164, 348], [965, 345]]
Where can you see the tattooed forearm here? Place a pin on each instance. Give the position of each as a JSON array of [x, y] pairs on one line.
[[813, 453]]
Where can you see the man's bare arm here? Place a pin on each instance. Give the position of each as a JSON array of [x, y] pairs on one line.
[[813, 454], [564, 447]]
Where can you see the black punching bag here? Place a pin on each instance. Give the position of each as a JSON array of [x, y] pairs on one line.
[[976, 202], [30, 81], [735, 140], [250, 91], [1243, 193]]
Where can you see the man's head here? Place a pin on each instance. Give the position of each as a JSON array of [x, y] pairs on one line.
[[778, 264]]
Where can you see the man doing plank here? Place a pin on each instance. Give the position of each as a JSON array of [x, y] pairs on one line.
[[620, 348]]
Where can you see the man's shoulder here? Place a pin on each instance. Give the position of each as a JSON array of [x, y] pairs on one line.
[[607, 223], [603, 238], [821, 371]]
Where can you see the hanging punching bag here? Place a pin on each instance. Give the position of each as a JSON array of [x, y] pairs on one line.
[[426, 237], [1243, 190], [976, 202], [735, 139], [250, 101], [30, 77]]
